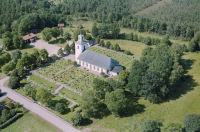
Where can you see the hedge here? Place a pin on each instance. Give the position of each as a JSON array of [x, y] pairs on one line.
[[11, 120]]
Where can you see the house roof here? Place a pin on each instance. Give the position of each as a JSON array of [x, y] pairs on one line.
[[117, 69], [92, 41], [29, 36], [61, 25], [97, 59], [81, 42]]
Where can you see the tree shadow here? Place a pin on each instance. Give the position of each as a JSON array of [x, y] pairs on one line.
[[54, 41], [187, 84], [64, 101], [186, 64], [86, 122]]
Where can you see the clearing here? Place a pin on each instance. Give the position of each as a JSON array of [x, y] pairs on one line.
[[154, 7]]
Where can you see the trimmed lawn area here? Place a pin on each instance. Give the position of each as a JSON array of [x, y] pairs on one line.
[[71, 95], [67, 75], [44, 82], [58, 99], [27, 49], [124, 60], [53, 68], [84, 82], [28, 123]]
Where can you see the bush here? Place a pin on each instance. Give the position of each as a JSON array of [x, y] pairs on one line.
[[75, 106], [16, 105], [12, 112], [77, 119], [74, 63], [102, 74], [192, 123], [13, 82], [10, 105], [79, 110], [60, 107], [11, 120], [127, 52], [88, 37], [151, 125], [5, 115]]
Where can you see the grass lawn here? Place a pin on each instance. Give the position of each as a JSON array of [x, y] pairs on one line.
[[28, 123], [44, 82], [67, 75], [84, 82], [53, 68], [27, 49], [71, 95], [67, 114]]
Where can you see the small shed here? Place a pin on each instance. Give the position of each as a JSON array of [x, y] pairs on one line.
[[61, 25], [80, 26], [29, 38]]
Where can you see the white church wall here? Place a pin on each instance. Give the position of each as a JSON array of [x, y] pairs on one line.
[[93, 67]]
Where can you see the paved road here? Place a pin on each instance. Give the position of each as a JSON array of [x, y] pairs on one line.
[[61, 124]]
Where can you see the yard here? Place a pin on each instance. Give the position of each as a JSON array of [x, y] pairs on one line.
[[124, 60], [44, 82], [67, 75], [53, 68], [28, 123], [84, 82]]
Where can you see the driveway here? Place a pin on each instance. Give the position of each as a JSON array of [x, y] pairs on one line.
[[40, 44], [61, 124]]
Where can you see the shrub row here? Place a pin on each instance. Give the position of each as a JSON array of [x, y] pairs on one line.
[[11, 120]]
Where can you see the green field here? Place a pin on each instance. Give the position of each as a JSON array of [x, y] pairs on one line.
[[124, 60], [71, 95], [28, 123], [67, 75], [53, 68], [84, 82], [44, 82]]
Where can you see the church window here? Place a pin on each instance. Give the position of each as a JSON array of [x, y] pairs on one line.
[[87, 64], [80, 62], [97, 68], [101, 70], [78, 47], [94, 67], [83, 63]]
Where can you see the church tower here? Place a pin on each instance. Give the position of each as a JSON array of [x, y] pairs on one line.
[[80, 45]]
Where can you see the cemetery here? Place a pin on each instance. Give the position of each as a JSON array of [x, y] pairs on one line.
[[53, 68], [67, 75], [124, 60], [84, 82]]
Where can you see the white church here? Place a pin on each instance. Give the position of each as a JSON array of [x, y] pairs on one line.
[[95, 61]]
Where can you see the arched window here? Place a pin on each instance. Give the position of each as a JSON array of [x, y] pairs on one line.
[[97, 68]]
